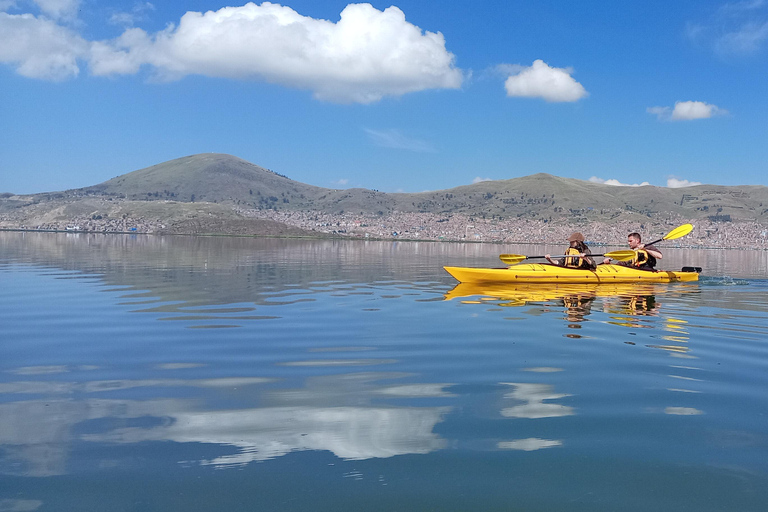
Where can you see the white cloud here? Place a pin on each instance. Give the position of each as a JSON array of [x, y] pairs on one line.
[[616, 183], [542, 81], [739, 7], [479, 179], [507, 70], [59, 9], [687, 111], [129, 18], [660, 112], [735, 29], [396, 140], [40, 48], [367, 55], [749, 38], [673, 182], [342, 182]]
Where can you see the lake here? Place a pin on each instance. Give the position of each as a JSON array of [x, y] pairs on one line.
[[142, 373]]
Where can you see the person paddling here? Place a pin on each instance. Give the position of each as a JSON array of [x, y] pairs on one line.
[[645, 255], [577, 255]]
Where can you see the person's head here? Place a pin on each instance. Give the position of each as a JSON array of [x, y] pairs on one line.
[[576, 239], [633, 239]]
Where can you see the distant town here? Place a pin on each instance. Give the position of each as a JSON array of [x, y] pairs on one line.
[[429, 226]]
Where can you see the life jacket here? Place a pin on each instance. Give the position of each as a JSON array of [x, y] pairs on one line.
[[643, 259], [572, 262]]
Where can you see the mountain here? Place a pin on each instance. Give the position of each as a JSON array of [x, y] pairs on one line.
[[223, 189], [220, 178], [207, 177]]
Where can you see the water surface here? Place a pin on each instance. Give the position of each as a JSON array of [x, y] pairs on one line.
[[181, 373]]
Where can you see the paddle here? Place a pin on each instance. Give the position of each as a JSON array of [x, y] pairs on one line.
[[678, 232], [514, 259]]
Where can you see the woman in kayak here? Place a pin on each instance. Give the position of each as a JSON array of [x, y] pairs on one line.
[[577, 255], [646, 255]]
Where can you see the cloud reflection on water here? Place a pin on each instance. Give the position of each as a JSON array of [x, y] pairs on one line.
[[534, 407], [334, 413]]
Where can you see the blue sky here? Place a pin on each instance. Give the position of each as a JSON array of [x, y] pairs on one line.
[[405, 96]]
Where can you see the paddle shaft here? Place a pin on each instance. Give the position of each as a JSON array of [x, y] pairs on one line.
[[566, 256], [514, 259], [675, 233]]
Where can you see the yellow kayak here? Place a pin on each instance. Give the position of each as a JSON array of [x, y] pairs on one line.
[[543, 273]]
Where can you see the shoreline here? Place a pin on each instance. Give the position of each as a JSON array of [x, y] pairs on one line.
[[325, 236]]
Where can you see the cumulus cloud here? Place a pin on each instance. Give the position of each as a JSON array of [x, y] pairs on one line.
[[673, 182], [479, 180], [341, 182], [687, 111], [616, 183], [39, 47], [736, 28], [58, 9], [396, 140], [367, 55], [543, 81]]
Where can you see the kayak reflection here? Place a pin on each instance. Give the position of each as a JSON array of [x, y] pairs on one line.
[[631, 305], [632, 296]]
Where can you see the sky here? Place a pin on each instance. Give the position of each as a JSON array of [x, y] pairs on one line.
[[395, 96]]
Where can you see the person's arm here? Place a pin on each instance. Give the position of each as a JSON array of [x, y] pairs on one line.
[[587, 255], [651, 250], [548, 257]]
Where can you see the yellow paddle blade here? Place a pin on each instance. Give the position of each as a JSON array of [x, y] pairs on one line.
[[679, 232], [512, 259], [619, 255]]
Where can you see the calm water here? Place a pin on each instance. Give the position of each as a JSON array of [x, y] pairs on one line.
[[207, 374]]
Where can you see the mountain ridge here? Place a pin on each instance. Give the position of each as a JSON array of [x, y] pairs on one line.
[[214, 192], [221, 178]]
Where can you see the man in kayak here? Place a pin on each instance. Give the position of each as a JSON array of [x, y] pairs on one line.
[[645, 255], [577, 254]]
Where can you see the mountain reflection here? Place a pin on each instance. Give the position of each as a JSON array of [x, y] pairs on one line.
[[333, 413], [174, 273]]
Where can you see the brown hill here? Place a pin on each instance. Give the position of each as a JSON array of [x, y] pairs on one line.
[[228, 180]]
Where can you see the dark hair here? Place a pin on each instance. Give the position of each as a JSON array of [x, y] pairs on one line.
[[581, 246], [636, 236]]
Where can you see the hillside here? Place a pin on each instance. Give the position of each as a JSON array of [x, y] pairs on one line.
[[219, 178], [208, 177], [215, 192]]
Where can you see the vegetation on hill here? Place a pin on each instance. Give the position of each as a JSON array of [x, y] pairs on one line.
[[219, 178], [232, 187]]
